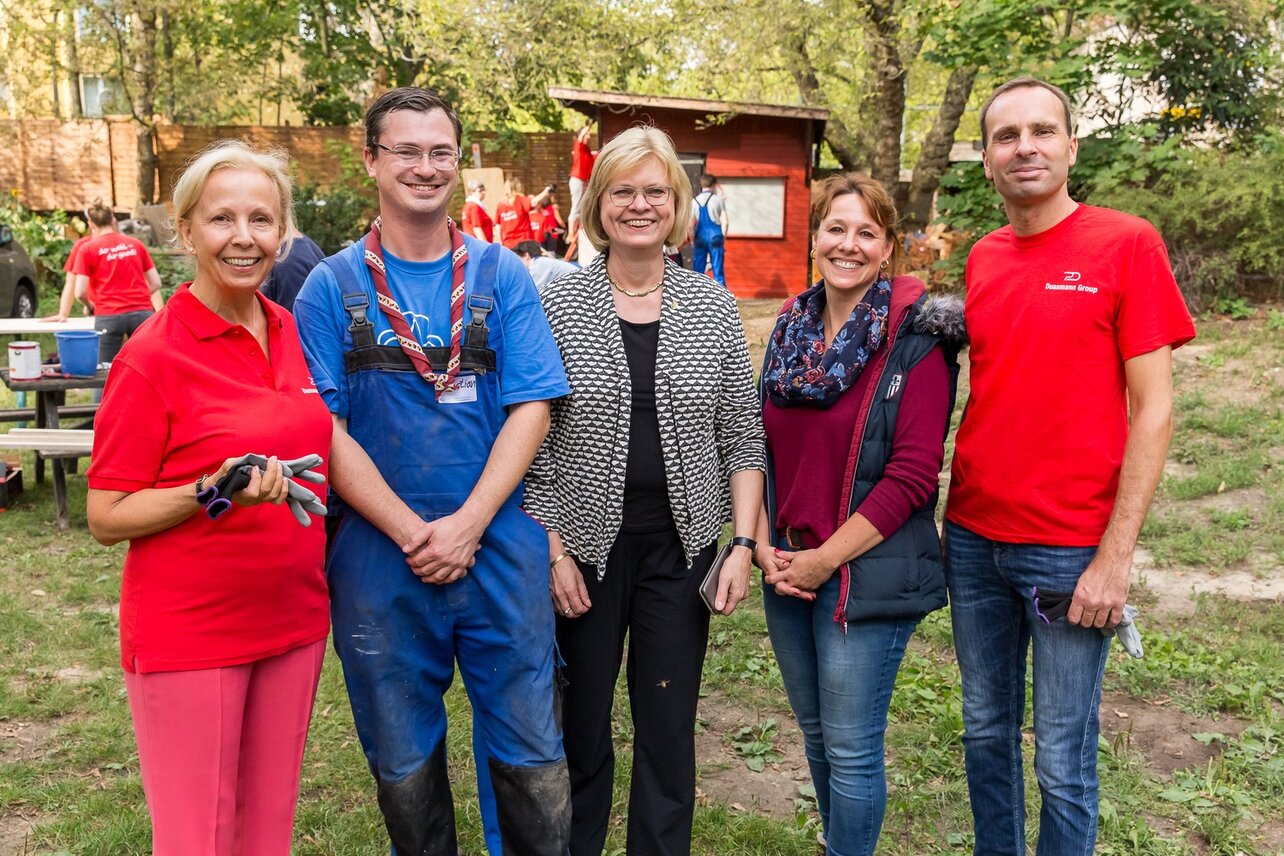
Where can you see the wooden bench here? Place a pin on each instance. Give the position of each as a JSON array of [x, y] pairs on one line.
[[57, 445]]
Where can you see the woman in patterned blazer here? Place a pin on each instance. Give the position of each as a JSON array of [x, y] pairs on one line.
[[658, 446]]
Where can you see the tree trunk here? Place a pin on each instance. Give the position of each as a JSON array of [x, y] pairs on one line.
[[841, 141], [934, 158], [144, 62], [146, 164], [888, 101]]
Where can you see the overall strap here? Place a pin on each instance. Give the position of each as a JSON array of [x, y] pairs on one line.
[[355, 301], [482, 299]]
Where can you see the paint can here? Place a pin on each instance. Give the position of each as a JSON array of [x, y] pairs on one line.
[[24, 361]]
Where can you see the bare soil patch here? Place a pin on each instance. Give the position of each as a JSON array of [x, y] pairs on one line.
[[1162, 732], [759, 317], [23, 741], [15, 835], [723, 775], [1175, 588]]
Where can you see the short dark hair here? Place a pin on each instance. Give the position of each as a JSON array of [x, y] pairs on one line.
[[528, 248], [1025, 83], [407, 98], [707, 180]]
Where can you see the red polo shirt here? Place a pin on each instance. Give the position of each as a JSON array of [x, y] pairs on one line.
[[115, 265], [188, 391]]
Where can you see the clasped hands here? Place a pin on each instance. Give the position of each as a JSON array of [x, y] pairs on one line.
[[441, 551], [793, 573]]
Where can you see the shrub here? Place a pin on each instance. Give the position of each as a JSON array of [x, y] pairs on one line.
[[967, 203], [333, 217], [1220, 211]]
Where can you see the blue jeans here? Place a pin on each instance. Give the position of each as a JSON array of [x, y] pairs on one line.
[[839, 687], [994, 624]]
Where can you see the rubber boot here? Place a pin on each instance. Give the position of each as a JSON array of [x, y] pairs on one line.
[[418, 810], [534, 805]]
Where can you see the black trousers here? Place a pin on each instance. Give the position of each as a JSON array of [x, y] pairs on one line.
[[649, 594]]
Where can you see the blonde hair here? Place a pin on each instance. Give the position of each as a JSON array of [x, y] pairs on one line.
[[624, 152], [236, 154]]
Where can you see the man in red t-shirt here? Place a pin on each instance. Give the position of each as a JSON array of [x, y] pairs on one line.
[[1073, 314], [120, 274], [514, 213], [475, 219]]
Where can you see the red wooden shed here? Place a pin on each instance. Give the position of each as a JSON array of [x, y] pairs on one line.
[[762, 154]]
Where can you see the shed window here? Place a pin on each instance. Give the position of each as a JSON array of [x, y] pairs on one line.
[[755, 206]]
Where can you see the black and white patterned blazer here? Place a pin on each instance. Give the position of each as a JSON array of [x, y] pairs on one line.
[[710, 420]]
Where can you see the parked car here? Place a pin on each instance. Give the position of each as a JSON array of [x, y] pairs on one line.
[[17, 278]]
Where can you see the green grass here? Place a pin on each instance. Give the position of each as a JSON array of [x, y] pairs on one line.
[[80, 782]]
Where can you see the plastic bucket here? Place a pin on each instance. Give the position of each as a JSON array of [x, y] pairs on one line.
[[78, 351]]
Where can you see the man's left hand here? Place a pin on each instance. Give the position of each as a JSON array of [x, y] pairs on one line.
[[444, 549], [1101, 593]]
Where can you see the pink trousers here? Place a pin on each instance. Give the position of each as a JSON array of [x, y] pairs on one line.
[[221, 752]]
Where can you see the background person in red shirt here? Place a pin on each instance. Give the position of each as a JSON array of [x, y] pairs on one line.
[[222, 622], [68, 298], [475, 219], [550, 228], [1073, 314], [120, 274], [514, 213], [582, 158]]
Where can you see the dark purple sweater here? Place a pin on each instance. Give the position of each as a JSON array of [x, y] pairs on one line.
[[810, 448]]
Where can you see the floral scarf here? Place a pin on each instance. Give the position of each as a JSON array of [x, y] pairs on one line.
[[801, 370]]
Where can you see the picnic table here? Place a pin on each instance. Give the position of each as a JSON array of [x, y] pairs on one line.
[[49, 440]]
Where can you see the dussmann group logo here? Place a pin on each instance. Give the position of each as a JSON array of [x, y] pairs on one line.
[[1071, 283]]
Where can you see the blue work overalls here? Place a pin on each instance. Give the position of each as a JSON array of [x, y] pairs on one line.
[[707, 242], [398, 638]]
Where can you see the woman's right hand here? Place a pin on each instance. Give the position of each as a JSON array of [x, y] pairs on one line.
[[566, 585], [266, 486]]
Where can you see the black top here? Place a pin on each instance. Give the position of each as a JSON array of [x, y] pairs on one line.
[[646, 491], [286, 277]]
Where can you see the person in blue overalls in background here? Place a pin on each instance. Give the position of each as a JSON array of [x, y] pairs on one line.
[[433, 354], [708, 229]]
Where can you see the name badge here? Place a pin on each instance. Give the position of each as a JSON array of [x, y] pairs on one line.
[[465, 390]]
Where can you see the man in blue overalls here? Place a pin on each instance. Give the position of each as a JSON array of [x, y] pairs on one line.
[[708, 229], [434, 356]]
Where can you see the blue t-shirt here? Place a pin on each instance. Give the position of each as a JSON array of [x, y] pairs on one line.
[[527, 360]]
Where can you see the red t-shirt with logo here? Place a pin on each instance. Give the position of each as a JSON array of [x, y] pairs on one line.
[[115, 265], [582, 158], [515, 221], [1052, 317], [188, 391], [475, 217]]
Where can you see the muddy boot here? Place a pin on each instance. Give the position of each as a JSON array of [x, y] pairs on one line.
[[534, 805], [418, 810]]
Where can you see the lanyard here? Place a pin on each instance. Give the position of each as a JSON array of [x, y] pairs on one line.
[[442, 381]]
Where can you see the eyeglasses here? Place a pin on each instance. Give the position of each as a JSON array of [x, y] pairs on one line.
[[623, 195], [408, 155]]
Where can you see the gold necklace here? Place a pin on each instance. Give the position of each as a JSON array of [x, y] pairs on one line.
[[622, 290]]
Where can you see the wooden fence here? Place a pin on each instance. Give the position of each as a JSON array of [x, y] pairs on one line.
[[67, 165]]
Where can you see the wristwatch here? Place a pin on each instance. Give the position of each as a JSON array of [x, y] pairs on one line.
[[742, 541]]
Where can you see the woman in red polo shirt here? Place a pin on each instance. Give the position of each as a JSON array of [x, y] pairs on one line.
[[514, 213], [222, 622]]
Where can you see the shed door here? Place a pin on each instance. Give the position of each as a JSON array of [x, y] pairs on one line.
[[693, 165]]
